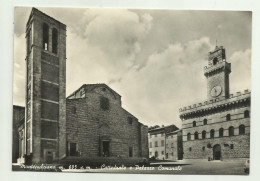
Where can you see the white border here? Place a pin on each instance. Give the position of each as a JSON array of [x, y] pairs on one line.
[[6, 77]]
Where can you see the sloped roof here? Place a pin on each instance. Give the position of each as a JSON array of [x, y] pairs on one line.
[[90, 87]]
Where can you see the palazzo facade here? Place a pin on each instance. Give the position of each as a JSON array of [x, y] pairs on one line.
[[218, 128]]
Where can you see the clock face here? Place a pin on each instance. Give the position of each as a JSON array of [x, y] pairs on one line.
[[216, 91]]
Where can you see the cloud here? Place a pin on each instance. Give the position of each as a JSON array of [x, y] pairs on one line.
[[168, 77], [110, 39], [19, 70], [241, 77], [153, 58]]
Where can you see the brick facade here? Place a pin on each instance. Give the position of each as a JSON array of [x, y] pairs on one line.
[[90, 124]]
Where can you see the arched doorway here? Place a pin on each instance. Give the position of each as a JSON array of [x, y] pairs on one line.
[[217, 152]]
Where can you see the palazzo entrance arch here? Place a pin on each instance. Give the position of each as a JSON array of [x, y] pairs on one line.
[[216, 152]]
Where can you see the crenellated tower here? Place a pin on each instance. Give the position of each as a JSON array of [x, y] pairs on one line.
[[217, 74]]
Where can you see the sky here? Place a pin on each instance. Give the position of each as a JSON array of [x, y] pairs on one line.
[[153, 58]]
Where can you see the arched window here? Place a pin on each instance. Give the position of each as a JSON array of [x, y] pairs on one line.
[[45, 36], [54, 40], [221, 132], [188, 136], [196, 135], [203, 134], [228, 117], [241, 129], [212, 133], [215, 60], [194, 123], [205, 121], [246, 114], [231, 131]]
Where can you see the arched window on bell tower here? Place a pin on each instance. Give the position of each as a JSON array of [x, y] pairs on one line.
[[45, 36], [54, 40]]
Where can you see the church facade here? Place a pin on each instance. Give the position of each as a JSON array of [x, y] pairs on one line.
[[98, 126], [218, 128]]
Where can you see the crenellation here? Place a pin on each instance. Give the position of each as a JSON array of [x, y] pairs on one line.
[[227, 117], [222, 99]]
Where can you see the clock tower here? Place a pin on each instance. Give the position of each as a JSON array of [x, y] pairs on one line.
[[217, 74]]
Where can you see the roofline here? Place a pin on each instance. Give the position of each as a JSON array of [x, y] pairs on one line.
[[174, 132], [76, 90], [84, 85], [35, 9], [19, 106], [156, 129]]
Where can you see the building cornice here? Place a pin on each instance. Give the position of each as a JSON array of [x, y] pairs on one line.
[[216, 105]]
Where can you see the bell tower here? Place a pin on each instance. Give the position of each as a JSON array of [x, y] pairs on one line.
[[45, 115], [217, 74]]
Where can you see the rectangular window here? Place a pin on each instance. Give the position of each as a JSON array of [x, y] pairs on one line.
[[151, 144], [162, 143], [130, 151], [73, 149], [156, 144], [162, 152], [104, 103]]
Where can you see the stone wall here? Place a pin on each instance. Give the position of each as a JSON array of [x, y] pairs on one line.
[[194, 148], [88, 124], [241, 147]]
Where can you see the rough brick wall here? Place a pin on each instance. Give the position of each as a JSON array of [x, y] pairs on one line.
[[217, 121], [91, 125], [240, 150]]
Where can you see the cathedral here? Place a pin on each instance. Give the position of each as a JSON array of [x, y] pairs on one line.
[[219, 127], [89, 124]]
